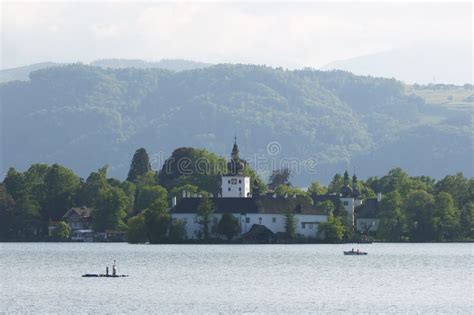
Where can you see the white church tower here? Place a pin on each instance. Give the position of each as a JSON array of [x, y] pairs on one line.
[[347, 199], [235, 184]]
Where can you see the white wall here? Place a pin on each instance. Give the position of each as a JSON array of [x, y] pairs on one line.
[[235, 186], [348, 204], [275, 222]]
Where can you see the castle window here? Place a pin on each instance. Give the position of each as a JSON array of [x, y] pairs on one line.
[[345, 203], [240, 181], [247, 220], [240, 188], [274, 220], [234, 181], [303, 225], [228, 181], [228, 189]]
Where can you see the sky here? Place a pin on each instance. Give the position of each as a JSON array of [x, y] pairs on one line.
[[286, 34]]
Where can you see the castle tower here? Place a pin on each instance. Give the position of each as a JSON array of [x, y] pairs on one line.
[[355, 191], [347, 197], [235, 184]]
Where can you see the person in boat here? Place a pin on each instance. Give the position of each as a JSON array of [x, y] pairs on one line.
[[352, 249], [107, 270], [114, 269]]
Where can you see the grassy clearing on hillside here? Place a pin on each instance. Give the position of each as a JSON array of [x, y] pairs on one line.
[[457, 97]]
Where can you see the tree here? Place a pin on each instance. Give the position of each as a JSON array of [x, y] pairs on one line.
[[228, 226], [327, 207], [288, 191], [136, 232], [95, 184], [205, 211], [458, 187], [7, 214], [177, 231], [157, 222], [419, 209], [194, 167], [61, 232], [392, 224], [60, 187], [316, 188], [258, 185], [15, 183], [332, 230], [147, 179], [110, 210], [467, 221], [279, 177], [290, 224], [445, 218], [27, 224], [336, 184], [149, 195], [140, 165]]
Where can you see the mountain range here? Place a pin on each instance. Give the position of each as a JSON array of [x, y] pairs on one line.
[[86, 116]]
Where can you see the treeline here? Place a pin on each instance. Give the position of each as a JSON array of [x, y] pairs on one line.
[[416, 209], [421, 209], [31, 201]]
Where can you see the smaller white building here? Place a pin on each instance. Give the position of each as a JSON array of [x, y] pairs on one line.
[[367, 215]]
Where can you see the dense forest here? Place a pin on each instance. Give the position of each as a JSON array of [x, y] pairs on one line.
[[412, 208], [84, 117]]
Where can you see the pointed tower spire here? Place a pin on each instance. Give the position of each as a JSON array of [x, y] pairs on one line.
[[346, 178]]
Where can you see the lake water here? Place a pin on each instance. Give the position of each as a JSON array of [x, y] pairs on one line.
[[393, 278]]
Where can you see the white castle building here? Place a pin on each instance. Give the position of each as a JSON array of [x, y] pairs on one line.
[[267, 213], [255, 214]]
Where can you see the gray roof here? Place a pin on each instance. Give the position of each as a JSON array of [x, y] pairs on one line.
[[259, 204], [83, 212]]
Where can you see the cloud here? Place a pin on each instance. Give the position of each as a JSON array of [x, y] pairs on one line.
[[277, 34]]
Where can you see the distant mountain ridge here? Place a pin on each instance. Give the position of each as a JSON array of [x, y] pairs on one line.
[[421, 63], [22, 73], [84, 117]]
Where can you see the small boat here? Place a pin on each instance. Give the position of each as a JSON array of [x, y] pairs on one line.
[[95, 275], [107, 274], [354, 252]]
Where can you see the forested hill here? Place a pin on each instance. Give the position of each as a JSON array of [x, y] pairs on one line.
[[84, 117]]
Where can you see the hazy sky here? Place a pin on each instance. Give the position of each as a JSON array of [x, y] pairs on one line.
[[274, 33]]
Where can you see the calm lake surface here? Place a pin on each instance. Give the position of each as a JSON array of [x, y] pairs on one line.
[[393, 278]]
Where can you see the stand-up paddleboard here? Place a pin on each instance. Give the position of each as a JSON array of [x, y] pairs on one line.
[[95, 275]]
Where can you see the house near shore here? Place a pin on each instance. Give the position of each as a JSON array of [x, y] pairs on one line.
[[79, 220]]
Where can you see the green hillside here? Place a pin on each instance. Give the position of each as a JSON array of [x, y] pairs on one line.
[[84, 117]]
